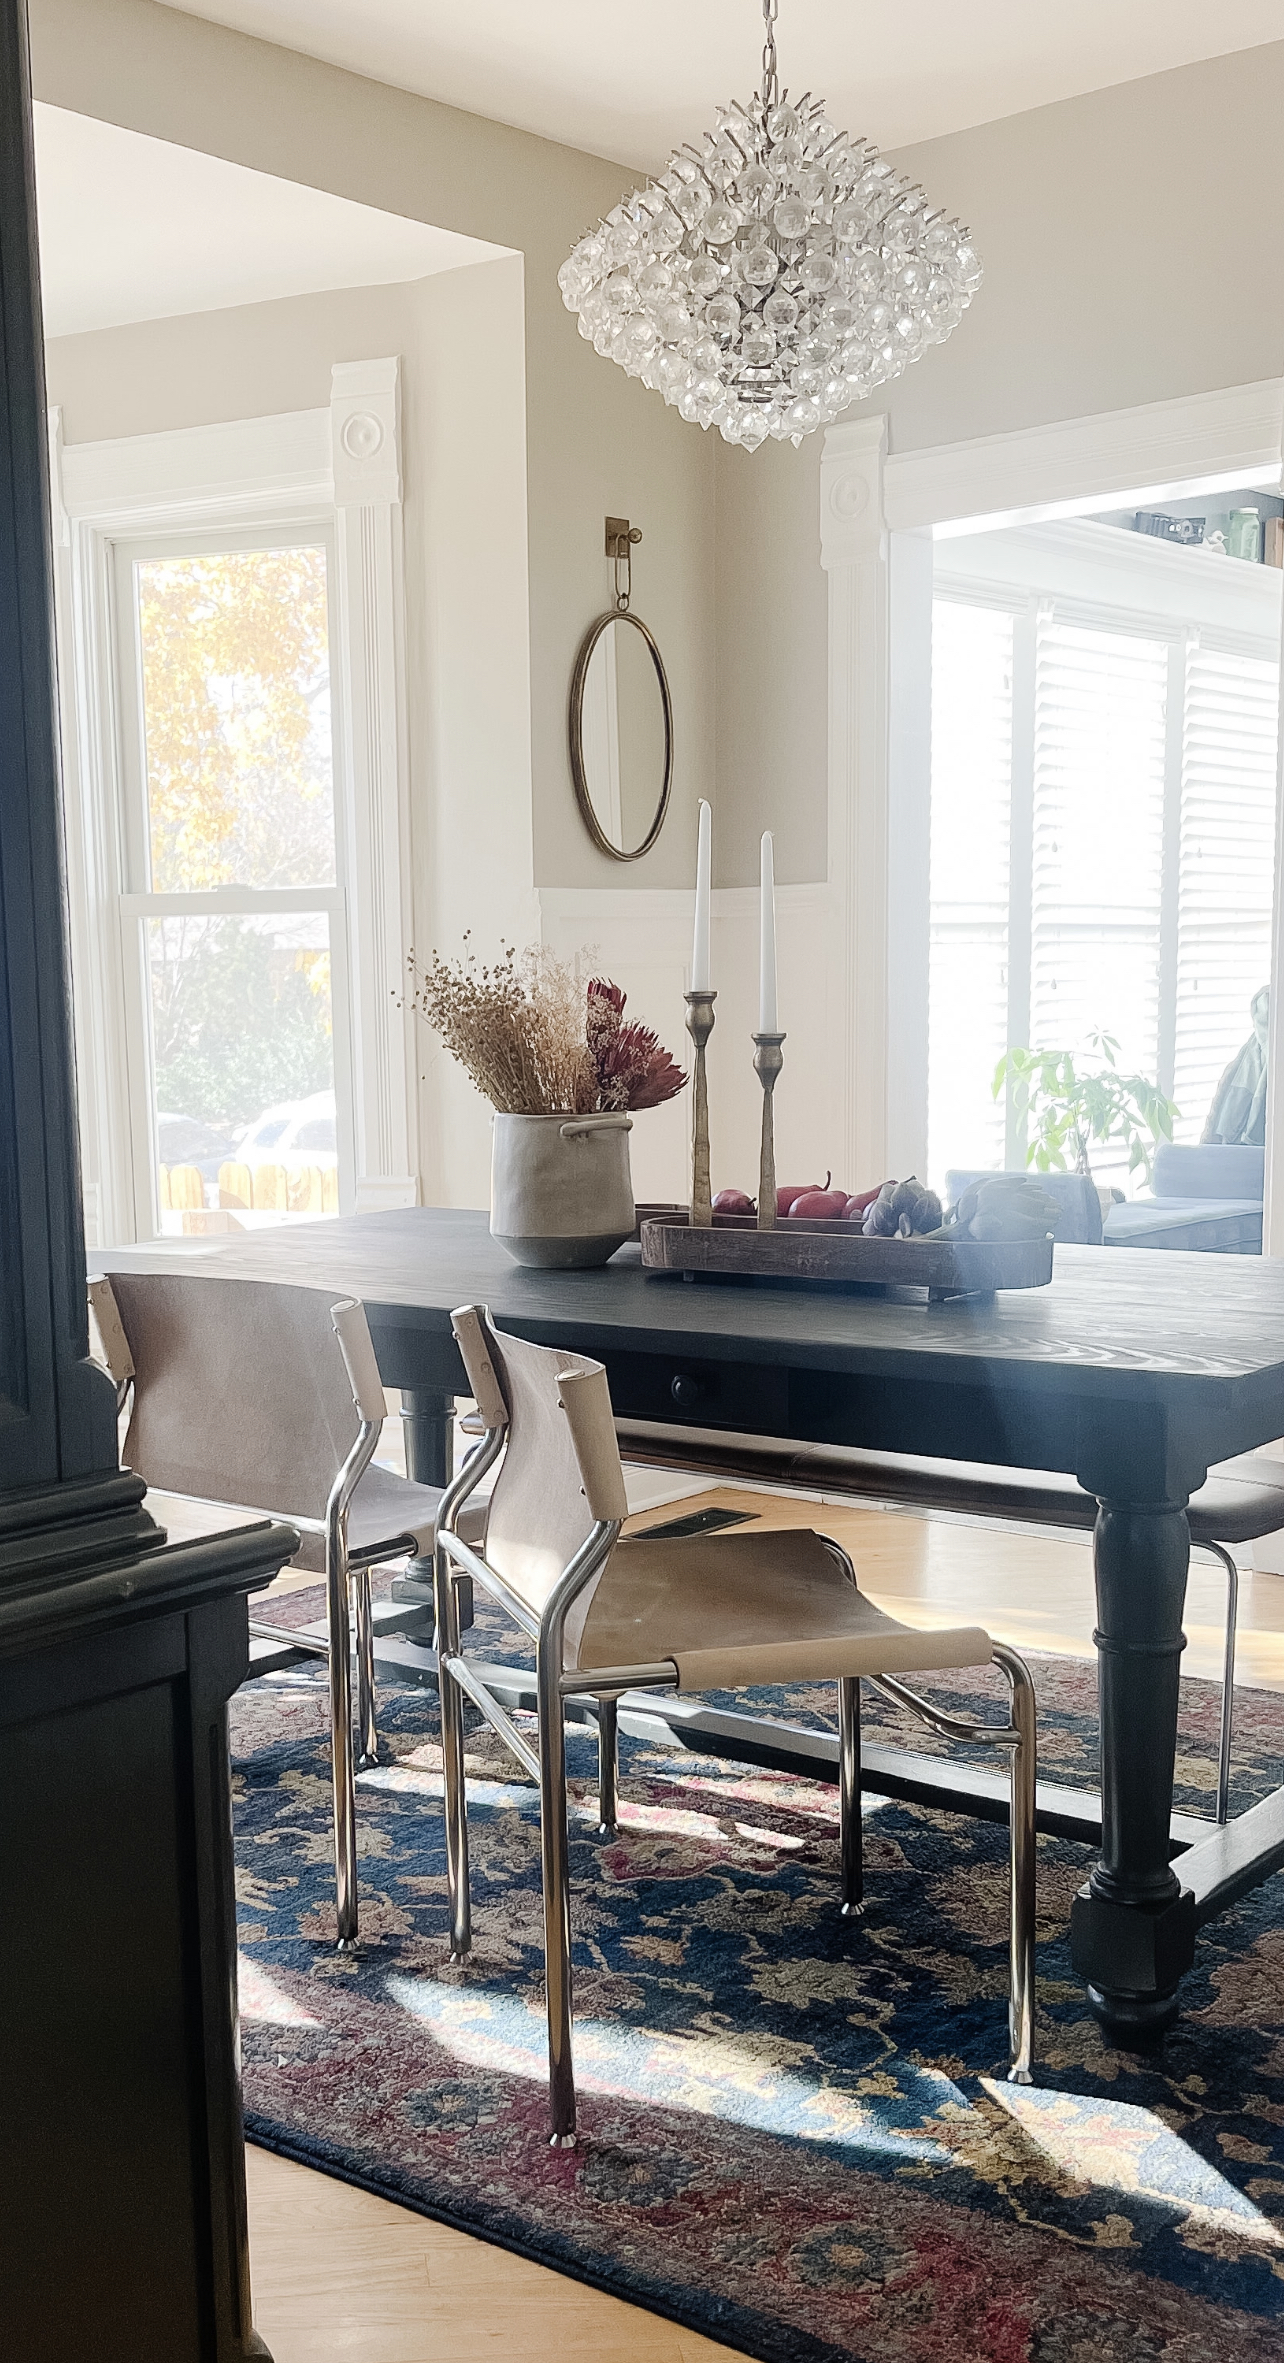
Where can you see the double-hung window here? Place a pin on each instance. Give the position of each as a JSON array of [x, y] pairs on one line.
[[232, 932]]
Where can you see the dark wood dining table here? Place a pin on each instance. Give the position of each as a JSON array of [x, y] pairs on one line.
[[1133, 1371]]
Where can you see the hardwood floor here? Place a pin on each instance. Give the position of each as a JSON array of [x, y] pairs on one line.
[[340, 2277]]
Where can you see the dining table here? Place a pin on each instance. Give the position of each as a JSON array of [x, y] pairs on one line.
[[1131, 1371]]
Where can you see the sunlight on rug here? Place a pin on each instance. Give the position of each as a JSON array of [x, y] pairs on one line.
[[796, 2135]]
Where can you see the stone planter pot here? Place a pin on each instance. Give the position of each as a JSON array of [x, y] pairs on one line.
[[561, 1195]]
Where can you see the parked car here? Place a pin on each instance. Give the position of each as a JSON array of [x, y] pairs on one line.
[[293, 1134], [185, 1140]]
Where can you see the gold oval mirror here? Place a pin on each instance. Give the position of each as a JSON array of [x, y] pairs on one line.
[[621, 735]]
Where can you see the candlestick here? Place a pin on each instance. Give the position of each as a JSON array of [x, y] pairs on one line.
[[699, 1027], [768, 1059], [700, 944], [768, 1017]]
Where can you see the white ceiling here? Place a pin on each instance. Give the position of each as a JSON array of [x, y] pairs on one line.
[[134, 229], [629, 79]]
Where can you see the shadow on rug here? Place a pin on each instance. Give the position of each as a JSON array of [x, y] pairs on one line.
[[796, 2136]]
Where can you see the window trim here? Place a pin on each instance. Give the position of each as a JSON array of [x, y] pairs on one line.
[[336, 468]]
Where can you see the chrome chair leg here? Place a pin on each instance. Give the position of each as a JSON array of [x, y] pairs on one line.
[[608, 1767], [1024, 1777], [343, 1772], [555, 1850], [849, 1799], [454, 1792], [367, 1730], [1219, 1551]]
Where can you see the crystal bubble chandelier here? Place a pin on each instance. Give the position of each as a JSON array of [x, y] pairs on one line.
[[774, 275]]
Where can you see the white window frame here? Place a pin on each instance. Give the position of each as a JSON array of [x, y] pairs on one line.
[[336, 471], [879, 518]]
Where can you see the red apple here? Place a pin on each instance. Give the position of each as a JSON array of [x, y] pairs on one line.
[[732, 1202], [789, 1191], [819, 1206], [854, 1210]]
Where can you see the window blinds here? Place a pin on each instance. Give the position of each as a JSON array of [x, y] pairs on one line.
[[1099, 727], [970, 834], [1226, 868], [1147, 803]]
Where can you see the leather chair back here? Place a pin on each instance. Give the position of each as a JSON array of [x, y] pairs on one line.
[[240, 1390]]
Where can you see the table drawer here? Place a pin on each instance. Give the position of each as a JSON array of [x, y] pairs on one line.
[[753, 1398]]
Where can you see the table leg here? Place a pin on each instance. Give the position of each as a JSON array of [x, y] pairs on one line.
[[1133, 1924], [428, 1423]]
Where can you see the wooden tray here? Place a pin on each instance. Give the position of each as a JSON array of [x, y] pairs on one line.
[[838, 1253]]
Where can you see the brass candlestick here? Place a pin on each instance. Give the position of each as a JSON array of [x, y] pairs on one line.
[[699, 1027], [768, 1059]]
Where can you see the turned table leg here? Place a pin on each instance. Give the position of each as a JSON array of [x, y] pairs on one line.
[[428, 1422], [1133, 1924]]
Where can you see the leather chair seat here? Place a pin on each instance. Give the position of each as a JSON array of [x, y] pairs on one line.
[[763, 1607]]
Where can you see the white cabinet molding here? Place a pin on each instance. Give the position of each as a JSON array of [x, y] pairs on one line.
[[854, 554], [365, 455]]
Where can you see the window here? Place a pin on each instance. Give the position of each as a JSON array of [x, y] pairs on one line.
[[1102, 839], [970, 837], [232, 919]]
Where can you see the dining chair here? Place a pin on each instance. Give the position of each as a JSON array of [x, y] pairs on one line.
[[609, 1615], [245, 1395]]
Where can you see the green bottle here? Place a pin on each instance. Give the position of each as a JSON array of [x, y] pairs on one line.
[[1244, 537]]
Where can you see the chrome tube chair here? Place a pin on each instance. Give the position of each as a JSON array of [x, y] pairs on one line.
[[254, 1397], [700, 1613]]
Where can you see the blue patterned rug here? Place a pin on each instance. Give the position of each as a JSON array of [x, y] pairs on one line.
[[796, 2136]]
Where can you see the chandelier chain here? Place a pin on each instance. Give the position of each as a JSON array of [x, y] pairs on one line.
[[770, 83]]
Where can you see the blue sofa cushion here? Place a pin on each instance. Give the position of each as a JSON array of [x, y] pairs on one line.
[[1213, 1226], [1214, 1169]]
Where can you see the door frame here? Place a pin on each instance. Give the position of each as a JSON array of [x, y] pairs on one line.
[[880, 513]]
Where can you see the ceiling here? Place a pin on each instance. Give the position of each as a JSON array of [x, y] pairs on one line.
[[629, 79], [134, 229]]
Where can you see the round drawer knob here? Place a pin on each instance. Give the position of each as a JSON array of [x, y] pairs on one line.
[[686, 1391]]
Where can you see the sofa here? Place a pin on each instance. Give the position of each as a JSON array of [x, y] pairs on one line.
[[1208, 1198]]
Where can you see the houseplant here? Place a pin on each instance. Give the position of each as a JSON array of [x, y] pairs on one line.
[[1065, 1107], [565, 1073]]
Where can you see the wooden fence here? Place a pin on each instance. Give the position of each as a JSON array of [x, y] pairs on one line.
[[267, 1189]]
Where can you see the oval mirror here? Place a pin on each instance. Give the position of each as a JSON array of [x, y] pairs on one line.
[[621, 734]]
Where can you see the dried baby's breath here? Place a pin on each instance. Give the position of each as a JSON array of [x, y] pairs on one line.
[[516, 1028]]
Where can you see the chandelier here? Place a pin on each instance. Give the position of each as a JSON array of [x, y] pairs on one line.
[[775, 275]]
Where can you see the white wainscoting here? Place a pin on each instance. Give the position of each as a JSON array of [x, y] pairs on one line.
[[642, 939]]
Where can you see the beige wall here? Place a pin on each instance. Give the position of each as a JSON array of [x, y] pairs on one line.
[[597, 443], [1132, 244]]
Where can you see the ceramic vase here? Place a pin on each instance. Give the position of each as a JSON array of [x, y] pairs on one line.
[[561, 1194]]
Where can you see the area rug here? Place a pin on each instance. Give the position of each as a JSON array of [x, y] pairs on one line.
[[796, 2135]]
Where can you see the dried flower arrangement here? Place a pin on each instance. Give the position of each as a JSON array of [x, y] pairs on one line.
[[536, 1040]]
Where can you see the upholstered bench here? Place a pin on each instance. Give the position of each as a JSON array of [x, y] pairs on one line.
[[1240, 1501]]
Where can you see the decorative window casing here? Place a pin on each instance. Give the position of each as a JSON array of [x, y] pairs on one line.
[[331, 476]]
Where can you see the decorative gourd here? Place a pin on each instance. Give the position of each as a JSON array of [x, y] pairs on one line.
[[903, 1210]]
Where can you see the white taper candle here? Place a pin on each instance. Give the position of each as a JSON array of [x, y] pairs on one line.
[[767, 1016], [700, 946]]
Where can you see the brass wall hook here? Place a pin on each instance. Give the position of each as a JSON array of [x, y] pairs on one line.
[[620, 538]]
